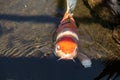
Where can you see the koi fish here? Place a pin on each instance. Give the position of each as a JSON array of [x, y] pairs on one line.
[[67, 40]]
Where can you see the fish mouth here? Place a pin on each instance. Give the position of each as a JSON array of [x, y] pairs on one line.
[[65, 56]]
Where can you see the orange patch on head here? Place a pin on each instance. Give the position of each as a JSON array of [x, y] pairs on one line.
[[67, 45]]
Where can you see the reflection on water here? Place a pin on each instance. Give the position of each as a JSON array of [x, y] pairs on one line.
[[25, 36]]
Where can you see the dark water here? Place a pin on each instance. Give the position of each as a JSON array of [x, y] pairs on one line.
[[46, 69], [26, 28]]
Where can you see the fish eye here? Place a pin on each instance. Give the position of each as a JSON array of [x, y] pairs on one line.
[[58, 47]]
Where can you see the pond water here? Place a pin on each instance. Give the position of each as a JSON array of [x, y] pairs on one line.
[[45, 69], [26, 28]]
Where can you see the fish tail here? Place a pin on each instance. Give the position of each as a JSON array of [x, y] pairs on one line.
[[70, 6]]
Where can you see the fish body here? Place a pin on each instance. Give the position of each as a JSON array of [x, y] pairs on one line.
[[67, 41], [67, 38]]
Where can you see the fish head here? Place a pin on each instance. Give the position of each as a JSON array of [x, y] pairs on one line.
[[66, 49]]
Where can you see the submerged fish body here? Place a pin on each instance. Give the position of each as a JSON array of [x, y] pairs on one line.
[[67, 41], [67, 38]]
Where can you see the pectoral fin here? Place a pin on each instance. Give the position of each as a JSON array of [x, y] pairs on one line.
[[85, 61]]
